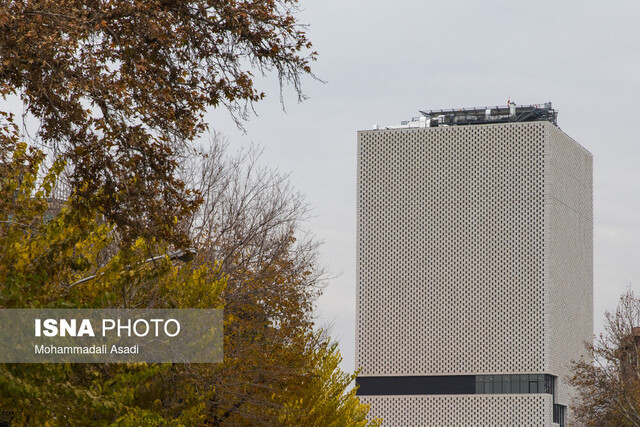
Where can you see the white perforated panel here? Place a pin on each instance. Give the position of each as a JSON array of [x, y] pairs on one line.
[[516, 410], [474, 257], [451, 250], [570, 253]]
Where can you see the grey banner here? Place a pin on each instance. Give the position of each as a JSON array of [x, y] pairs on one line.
[[111, 335]]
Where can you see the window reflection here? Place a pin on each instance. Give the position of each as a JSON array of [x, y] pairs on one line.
[[508, 384]]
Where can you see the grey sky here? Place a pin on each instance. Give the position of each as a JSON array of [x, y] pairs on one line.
[[384, 61]]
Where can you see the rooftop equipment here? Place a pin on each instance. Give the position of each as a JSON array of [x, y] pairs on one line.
[[494, 114]]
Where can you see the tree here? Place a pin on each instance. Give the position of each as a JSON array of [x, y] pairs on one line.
[[251, 220], [276, 369], [608, 385], [119, 85], [322, 399], [43, 251], [119, 88]]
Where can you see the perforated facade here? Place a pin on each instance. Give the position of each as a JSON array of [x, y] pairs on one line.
[[464, 410], [474, 258]]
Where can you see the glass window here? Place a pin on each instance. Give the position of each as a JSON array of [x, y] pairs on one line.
[[515, 384], [512, 384], [488, 385], [524, 384], [506, 384], [559, 414], [540, 383]]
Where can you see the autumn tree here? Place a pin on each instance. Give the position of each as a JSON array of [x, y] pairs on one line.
[[44, 249], [117, 86], [119, 89], [252, 220], [608, 383], [322, 398], [276, 370]]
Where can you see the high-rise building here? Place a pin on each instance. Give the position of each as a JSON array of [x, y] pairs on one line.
[[474, 267]]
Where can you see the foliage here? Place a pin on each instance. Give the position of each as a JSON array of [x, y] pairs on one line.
[[608, 385], [276, 371], [119, 89], [251, 219], [118, 85], [321, 398], [42, 253]]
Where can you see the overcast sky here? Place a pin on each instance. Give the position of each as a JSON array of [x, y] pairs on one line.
[[382, 64]]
